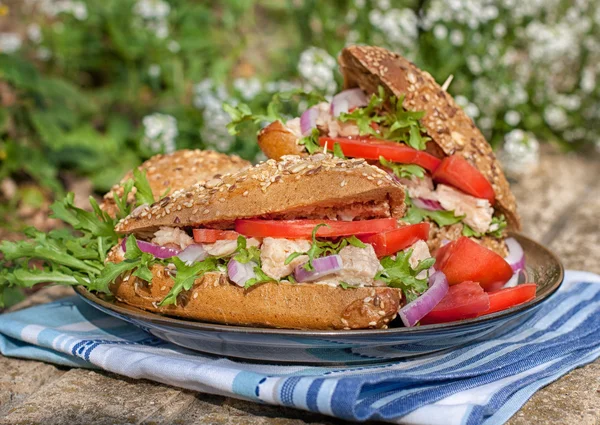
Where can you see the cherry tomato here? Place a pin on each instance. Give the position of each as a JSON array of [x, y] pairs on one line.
[[463, 301], [392, 241], [213, 235], [456, 171], [510, 297], [302, 229], [464, 259], [370, 148]]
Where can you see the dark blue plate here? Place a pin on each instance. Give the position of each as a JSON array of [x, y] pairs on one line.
[[327, 347]]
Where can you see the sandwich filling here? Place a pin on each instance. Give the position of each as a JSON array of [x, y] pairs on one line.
[[347, 254]]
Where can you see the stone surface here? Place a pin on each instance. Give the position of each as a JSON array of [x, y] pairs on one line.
[[560, 206], [21, 378], [85, 397]]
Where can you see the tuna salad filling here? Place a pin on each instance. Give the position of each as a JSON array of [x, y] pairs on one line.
[[364, 253]]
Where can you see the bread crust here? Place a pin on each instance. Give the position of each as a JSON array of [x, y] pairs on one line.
[[276, 305], [275, 140], [271, 190], [167, 173], [447, 124]]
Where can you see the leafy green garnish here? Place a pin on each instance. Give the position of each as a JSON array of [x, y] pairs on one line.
[[337, 151], [243, 114], [74, 255], [416, 215], [498, 224], [392, 120], [186, 276], [403, 170], [323, 248], [245, 255], [345, 285], [311, 142], [144, 191], [398, 273], [261, 277]]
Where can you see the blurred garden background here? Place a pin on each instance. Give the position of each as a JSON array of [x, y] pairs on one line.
[[90, 88]]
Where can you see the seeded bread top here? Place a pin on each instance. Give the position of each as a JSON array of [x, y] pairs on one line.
[[446, 123], [167, 173], [293, 187]]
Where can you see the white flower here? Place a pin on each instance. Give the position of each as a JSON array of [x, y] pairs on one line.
[[316, 67], [383, 4], [248, 87], [399, 26], [152, 9], [440, 31], [34, 33], [210, 97], [154, 70], [512, 118], [79, 11], [43, 53], [520, 153], [474, 64], [160, 132], [588, 79], [351, 16], [10, 42], [457, 38], [173, 46], [556, 117], [154, 13], [359, 3]]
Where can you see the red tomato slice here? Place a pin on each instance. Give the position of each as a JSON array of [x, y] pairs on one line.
[[302, 229], [212, 235], [463, 301], [370, 148], [392, 241], [456, 171], [464, 259], [510, 297]]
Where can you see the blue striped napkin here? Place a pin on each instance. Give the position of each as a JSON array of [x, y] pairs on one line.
[[485, 382]]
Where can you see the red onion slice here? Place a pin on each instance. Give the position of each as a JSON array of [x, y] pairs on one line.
[[156, 250], [308, 120], [414, 311], [322, 267], [519, 277], [192, 254], [427, 204], [240, 273], [516, 256], [347, 100]]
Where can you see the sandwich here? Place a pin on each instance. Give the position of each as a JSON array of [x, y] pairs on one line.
[[167, 173], [396, 116], [294, 243]]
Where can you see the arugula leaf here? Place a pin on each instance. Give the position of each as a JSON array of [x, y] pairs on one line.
[[337, 151], [96, 223], [323, 248], [416, 215], [398, 273], [245, 255], [311, 142], [261, 277], [403, 170], [392, 121], [187, 275], [243, 114], [144, 191], [345, 285], [497, 225]]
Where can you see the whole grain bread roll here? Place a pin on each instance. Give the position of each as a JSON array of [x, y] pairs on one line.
[[319, 186], [167, 173], [446, 123], [213, 298]]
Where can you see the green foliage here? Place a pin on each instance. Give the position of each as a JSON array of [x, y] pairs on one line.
[[398, 273]]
